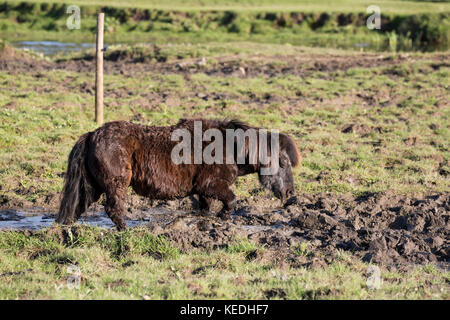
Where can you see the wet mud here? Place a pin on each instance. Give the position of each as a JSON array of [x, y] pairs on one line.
[[387, 229]]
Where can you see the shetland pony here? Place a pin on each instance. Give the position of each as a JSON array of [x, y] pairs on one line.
[[122, 154]]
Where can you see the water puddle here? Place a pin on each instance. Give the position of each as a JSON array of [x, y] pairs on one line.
[[49, 48], [39, 218], [12, 219], [256, 229]]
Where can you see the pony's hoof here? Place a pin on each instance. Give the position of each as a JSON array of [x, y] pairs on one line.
[[121, 227], [224, 215], [291, 201]]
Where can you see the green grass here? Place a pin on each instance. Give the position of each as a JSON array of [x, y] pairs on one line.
[[301, 249], [388, 6], [137, 265]]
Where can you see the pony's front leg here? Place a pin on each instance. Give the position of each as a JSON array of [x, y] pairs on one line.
[[204, 205], [228, 205], [221, 191]]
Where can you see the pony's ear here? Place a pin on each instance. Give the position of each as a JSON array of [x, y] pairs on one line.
[[288, 145]]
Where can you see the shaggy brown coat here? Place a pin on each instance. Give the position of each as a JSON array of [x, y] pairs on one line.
[[122, 154]]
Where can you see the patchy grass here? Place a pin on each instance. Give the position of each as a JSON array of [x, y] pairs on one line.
[[359, 129], [398, 6], [137, 265], [301, 249]]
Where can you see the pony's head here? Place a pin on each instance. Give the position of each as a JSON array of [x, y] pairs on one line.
[[281, 182]]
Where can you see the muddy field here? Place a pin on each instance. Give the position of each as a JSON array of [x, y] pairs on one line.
[[397, 231], [323, 66], [385, 229], [301, 64], [390, 230]]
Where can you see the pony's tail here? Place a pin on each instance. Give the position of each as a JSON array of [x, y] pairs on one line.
[[287, 144], [78, 191]]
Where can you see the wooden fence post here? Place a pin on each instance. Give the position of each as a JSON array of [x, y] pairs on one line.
[[99, 70]]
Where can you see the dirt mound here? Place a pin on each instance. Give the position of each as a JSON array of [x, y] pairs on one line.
[[14, 60], [130, 62], [386, 229]]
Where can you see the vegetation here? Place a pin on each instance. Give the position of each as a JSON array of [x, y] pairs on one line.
[[390, 6], [94, 263], [425, 29]]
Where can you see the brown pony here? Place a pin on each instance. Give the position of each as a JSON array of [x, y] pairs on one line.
[[122, 154]]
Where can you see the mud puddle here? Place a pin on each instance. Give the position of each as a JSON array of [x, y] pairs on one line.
[[35, 219], [384, 228], [30, 220]]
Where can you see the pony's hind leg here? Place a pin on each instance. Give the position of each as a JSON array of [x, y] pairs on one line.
[[115, 207], [94, 196], [116, 177]]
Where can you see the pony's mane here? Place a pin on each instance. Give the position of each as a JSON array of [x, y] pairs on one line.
[[286, 142], [223, 124], [236, 124]]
